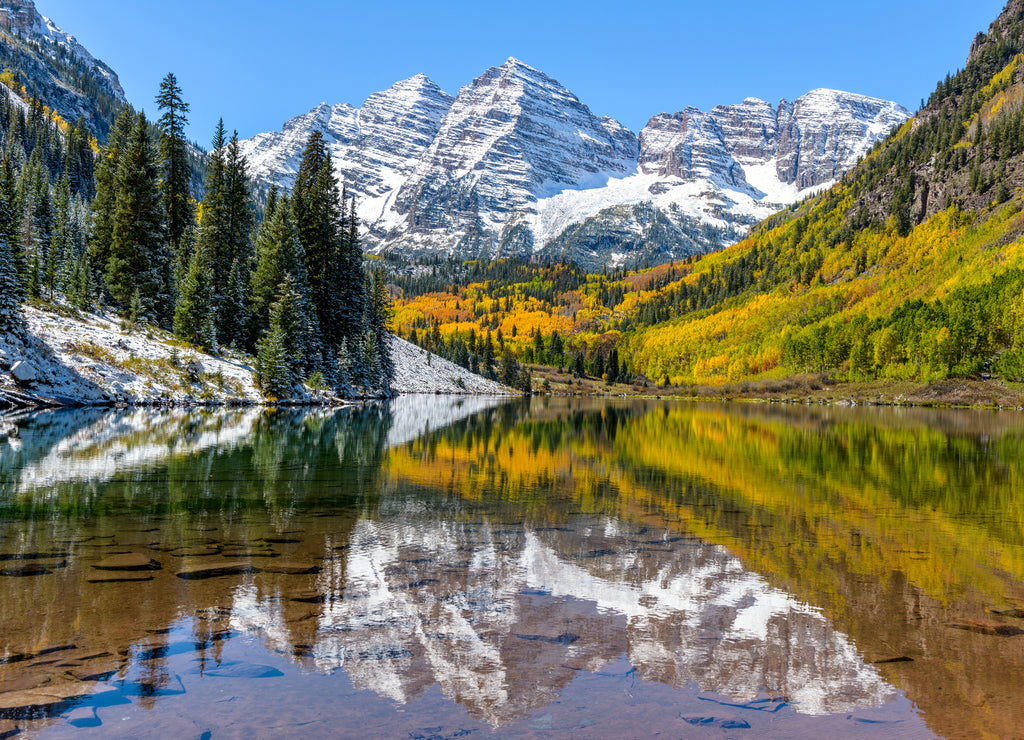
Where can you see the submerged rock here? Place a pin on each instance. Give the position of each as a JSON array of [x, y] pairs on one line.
[[20, 571], [1012, 612], [124, 576], [41, 701], [128, 561], [986, 627], [34, 555], [215, 570], [243, 670], [291, 569]]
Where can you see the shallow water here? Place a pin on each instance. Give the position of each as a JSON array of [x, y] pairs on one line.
[[442, 568]]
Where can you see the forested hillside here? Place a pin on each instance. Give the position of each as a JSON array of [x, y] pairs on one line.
[[911, 267], [119, 227]]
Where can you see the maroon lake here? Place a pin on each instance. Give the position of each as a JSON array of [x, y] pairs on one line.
[[443, 568]]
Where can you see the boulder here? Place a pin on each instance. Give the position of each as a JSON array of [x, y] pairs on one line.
[[23, 373]]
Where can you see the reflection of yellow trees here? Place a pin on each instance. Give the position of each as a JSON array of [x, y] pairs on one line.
[[810, 504], [833, 499]]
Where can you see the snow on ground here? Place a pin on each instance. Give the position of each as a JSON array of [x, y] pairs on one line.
[[13, 97], [765, 177], [419, 371], [699, 199], [93, 358]]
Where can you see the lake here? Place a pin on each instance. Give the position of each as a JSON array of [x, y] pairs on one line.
[[444, 567]]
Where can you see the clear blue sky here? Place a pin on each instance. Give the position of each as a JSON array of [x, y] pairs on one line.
[[258, 63]]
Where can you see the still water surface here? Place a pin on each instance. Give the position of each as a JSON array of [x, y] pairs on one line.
[[444, 568]]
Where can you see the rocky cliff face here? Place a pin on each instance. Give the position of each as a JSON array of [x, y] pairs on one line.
[[76, 85], [374, 148], [517, 164], [512, 136], [807, 143]]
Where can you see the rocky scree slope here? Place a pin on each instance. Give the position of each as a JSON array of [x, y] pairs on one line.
[[516, 164]]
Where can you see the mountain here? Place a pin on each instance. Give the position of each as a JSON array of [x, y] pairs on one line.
[[910, 269], [374, 148], [54, 67], [710, 176], [512, 136], [516, 164]]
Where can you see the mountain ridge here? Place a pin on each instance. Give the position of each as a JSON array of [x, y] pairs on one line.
[[517, 165], [53, 66]]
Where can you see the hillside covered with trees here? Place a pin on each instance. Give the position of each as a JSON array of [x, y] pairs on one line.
[[119, 226], [910, 268]]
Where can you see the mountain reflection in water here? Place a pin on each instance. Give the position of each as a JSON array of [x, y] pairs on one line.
[[557, 567]]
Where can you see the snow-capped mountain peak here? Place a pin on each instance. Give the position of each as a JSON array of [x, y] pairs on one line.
[[517, 164]]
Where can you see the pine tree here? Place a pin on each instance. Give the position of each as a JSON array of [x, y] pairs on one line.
[[349, 275], [138, 255], [329, 238], [279, 255], [234, 307], [273, 376], [378, 320], [277, 359], [343, 376], [174, 161], [10, 231], [10, 283], [194, 319], [228, 217], [105, 202]]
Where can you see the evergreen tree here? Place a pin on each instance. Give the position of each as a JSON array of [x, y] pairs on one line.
[[174, 161], [337, 286], [378, 320], [194, 319], [10, 283], [279, 255], [613, 365], [10, 232], [277, 359], [234, 307], [78, 161], [138, 255], [105, 202], [343, 375], [228, 217]]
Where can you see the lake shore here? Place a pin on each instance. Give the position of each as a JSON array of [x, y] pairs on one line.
[[818, 389]]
